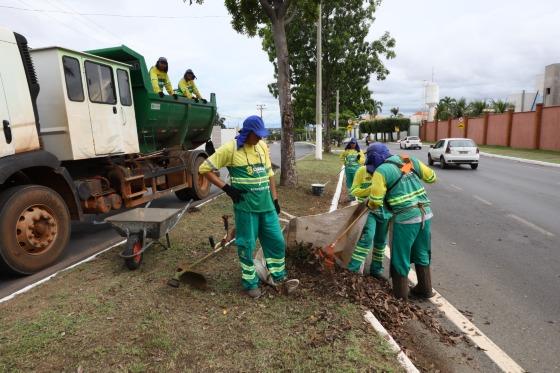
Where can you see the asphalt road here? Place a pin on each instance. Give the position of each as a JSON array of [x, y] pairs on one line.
[[88, 239], [496, 253]]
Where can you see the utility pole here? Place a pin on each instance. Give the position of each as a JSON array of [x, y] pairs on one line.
[[318, 100], [337, 107], [261, 107]]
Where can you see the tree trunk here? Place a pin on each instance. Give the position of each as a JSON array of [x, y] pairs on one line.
[[288, 174]]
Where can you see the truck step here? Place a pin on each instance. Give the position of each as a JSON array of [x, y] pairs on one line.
[[135, 177], [137, 194]]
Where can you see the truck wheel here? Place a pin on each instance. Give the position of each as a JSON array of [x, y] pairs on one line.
[[200, 188], [34, 228]]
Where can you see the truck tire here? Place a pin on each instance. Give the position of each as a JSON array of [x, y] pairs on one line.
[[34, 228], [200, 188]]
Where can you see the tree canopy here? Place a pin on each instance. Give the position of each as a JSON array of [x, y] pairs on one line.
[[349, 58]]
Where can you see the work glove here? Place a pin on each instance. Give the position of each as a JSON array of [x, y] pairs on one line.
[[235, 194], [196, 99], [161, 94], [204, 101], [277, 206], [175, 96]]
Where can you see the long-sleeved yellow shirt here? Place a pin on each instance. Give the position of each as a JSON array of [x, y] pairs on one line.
[[350, 158], [159, 80], [188, 88], [361, 189]]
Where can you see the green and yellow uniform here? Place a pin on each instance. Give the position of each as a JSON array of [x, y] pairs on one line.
[[250, 170], [405, 196], [188, 88], [352, 160], [375, 229], [159, 80]]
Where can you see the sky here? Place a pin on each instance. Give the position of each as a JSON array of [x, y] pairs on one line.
[[477, 49]]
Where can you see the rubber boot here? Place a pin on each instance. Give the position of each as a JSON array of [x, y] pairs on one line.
[[400, 285], [424, 287]]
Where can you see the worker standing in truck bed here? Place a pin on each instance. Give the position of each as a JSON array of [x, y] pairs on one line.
[[160, 79], [188, 88], [255, 203]]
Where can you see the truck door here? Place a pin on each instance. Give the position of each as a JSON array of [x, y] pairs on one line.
[[130, 135], [15, 100], [6, 143], [106, 121]]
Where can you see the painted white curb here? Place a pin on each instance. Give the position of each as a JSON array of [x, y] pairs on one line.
[[336, 197], [35, 284], [401, 356], [521, 160]]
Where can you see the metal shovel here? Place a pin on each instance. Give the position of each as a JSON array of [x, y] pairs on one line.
[[195, 279]]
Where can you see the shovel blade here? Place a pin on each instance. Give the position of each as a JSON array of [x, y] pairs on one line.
[[195, 280]]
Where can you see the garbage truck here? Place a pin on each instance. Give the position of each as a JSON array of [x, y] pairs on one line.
[[83, 133]]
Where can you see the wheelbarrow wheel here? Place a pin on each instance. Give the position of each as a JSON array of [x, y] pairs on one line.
[[133, 246]]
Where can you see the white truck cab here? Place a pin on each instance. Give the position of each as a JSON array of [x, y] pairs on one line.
[[85, 104]]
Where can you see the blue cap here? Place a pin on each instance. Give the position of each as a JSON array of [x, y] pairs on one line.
[[255, 124]]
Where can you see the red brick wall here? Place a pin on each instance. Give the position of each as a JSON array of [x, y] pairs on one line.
[[442, 130], [476, 129], [550, 128], [455, 130], [497, 129], [430, 131], [523, 130]]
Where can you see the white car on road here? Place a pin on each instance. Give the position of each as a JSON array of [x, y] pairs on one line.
[[454, 151], [411, 142]]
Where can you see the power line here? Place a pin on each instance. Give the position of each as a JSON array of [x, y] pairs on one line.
[[105, 14]]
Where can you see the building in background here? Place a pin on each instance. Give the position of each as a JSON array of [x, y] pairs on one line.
[[552, 85], [524, 100], [431, 95]]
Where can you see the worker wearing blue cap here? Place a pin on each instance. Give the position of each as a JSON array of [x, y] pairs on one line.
[[255, 203]]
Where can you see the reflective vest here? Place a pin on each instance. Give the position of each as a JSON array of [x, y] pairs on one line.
[[250, 169]]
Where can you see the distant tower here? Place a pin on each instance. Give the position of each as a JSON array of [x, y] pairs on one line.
[[432, 98], [552, 85]]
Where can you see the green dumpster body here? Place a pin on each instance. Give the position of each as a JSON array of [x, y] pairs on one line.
[[162, 122]]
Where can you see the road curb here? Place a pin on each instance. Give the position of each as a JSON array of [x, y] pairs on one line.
[[521, 160]]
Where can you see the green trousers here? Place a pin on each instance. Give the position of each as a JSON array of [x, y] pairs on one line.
[[411, 244], [374, 232], [266, 227], [349, 173]]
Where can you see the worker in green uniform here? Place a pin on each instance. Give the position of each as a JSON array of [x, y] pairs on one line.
[[160, 79], [255, 203], [188, 89], [397, 184], [352, 158], [377, 224]]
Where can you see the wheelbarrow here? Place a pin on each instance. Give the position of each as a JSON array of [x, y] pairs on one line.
[[143, 227]]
